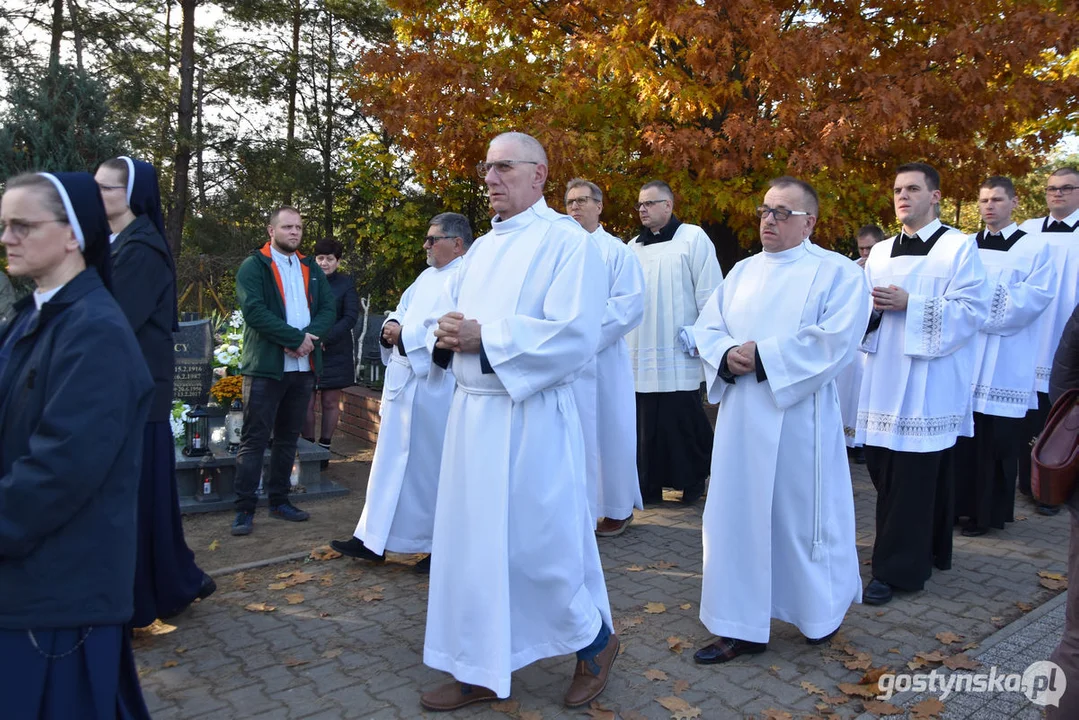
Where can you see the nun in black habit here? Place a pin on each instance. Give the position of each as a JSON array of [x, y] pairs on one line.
[[73, 391]]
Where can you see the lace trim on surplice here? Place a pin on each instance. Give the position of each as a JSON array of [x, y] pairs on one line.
[[932, 325], [1001, 395], [999, 308], [908, 426]]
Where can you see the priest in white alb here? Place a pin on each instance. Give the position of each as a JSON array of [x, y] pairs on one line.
[[779, 518], [1061, 231], [674, 437], [515, 572], [615, 491], [1019, 270], [930, 299], [399, 508]]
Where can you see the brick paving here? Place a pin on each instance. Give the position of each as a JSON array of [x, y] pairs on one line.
[[351, 647]]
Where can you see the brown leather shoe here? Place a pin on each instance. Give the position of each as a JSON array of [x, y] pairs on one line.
[[455, 695], [586, 686], [612, 528]]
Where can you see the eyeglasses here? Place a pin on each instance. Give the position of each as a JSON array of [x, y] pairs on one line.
[[500, 166], [435, 238], [648, 203], [21, 228], [578, 202], [780, 214], [1059, 189]]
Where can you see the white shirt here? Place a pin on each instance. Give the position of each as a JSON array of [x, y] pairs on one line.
[[40, 298], [297, 312]]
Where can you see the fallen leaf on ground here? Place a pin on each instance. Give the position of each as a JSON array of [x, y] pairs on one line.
[[634, 568], [894, 651], [506, 706], [961, 662], [155, 628], [675, 644], [997, 621], [773, 714], [329, 654], [927, 709], [629, 715], [259, 607], [654, 674], [623, 624], [917, 664], [214, 545], [294, 662], [1020, 518], [144, 671], [686, 606], [294, 599], [1024, 606], [530, 715], [680, 686], [324, 552], [277, 586], [812, 689], [948, 637], [370, 594], [326, 580], [170, 663], [861, 661], [774, 669], [1052, 581], [934, 657], [969, 646], [654, 608], [881, 708], [679, 708], [663, 565], [180, 650], [880, 613], [240, 582], [836, 699], [598, 712], [282, 576], [868, 692], [872, 675]]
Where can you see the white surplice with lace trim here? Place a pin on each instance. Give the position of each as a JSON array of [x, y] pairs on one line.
[[916, 382], [779, 520], [399, 510], [515, 570], [1022, 281]]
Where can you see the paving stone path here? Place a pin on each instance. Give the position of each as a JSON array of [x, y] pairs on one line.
[[345, 639]]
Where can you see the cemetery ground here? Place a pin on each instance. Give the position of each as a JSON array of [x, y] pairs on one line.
[[321, 637]]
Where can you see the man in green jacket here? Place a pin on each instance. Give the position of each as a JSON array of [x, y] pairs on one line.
[[287, 305]]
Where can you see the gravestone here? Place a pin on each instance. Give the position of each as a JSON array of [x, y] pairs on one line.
[[194, 350]]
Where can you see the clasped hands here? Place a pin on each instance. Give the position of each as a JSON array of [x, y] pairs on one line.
[[391, 332], [305, 347], [742, 360], [456, 333], [889, 298]]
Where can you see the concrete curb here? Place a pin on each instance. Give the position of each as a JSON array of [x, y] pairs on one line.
[[259, 563]]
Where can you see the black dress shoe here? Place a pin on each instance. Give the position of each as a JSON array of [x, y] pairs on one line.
[[725, 649], [692, 495], [208, 588], [423, 567], [877, 592], [355, 548], [822, 640], [973, 530], [1049, 510], [857, 455]]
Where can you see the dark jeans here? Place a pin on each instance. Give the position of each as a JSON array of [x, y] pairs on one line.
[[278, 406]]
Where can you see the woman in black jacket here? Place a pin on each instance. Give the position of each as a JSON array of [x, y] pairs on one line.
[[1063, 377], [167, 579], [338, 365], [74, 390]]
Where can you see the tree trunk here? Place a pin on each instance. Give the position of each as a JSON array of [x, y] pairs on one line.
[[327, 145], [166, 117], [293, 79], [73, 11], [57, 34], [200, 178], [185, 112]]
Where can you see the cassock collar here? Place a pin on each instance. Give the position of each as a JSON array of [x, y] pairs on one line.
[[520, 220], [924, 233], [451, 264], [665, 234], [1005, 233], [1071, 221]]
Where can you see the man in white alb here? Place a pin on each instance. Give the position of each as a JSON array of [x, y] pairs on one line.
[[515, 571], [1020, 273], [930, 298], [779, 519], [849, 382], [674, 437], [614, 490], [1061, 231], [399, 509]]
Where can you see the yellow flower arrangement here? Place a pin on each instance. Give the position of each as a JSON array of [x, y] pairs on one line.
[[227, 389]]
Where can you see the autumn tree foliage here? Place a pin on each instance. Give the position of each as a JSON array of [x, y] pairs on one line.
[[718, 96]]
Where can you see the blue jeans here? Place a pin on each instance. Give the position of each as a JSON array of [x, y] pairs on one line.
[[280, 407]]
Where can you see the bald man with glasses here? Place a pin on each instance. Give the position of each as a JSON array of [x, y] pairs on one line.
[[674, 437]]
